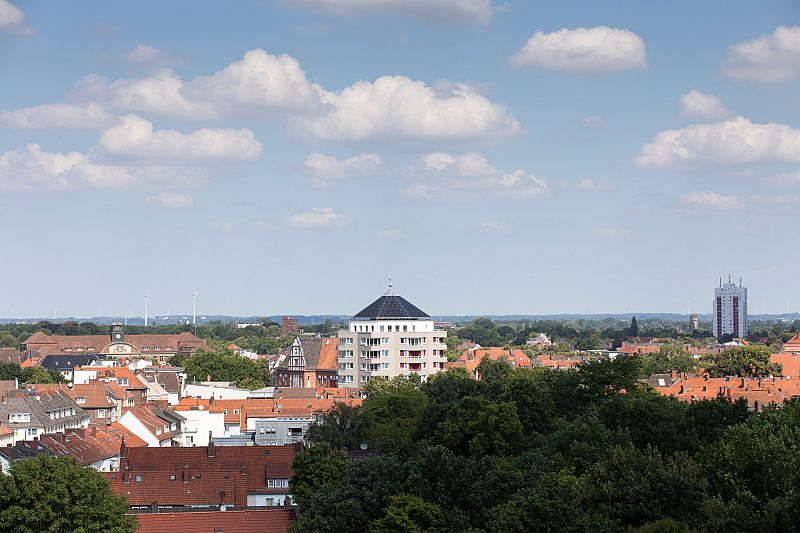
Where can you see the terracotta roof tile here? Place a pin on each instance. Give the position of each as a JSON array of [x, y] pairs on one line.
[[249, 521]]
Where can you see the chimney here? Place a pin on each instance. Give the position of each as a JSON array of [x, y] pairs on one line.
[[212, 451], [94, 431], [122, 448]]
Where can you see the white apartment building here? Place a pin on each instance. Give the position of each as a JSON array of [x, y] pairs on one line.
[[730, 310], [390, 337]]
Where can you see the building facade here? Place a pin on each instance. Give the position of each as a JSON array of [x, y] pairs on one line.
[[390, 337], [289, 326], [309, 362], [730, 310]]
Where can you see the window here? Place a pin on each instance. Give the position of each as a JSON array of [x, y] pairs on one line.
[[224, 411], [172, 477], [380, 328], [189, 440], [138, 478], [236, 411], [19, 417], [80, 399], [405, 328], [271, 483], [102, 413]]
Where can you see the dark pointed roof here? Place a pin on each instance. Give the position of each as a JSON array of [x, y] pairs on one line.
[[391, 305]]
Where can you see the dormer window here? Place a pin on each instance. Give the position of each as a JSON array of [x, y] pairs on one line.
[[80, 399]]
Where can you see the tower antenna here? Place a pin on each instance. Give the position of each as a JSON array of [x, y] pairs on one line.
[[145, 308]]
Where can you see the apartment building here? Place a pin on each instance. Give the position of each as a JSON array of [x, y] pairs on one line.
[[390, 337]]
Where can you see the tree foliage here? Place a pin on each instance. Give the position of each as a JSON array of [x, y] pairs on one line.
[[744, 361], [46, 494], [224, 365]]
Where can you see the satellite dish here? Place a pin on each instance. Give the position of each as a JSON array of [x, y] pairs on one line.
[[363, 446]]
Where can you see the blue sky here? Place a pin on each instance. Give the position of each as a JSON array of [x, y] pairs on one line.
[[504, 158]]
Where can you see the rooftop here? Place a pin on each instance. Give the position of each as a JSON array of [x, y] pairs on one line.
[[391, 306]]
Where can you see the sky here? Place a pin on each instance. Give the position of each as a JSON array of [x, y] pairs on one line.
[[289, 157]]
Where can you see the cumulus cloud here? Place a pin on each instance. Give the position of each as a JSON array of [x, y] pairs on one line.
[[144, 54], [768, 59], [33, 169], [326, 169], [159, 93], [583, 50], [258, 80], [710, 199], [734, 141], [396, 106], [58, 116], [470, 175], [696, 104], [171, 200], [135, 136], [13, 19], [317, 217], [438, 11]]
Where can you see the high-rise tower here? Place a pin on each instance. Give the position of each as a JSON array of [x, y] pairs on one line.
[[730, 309]]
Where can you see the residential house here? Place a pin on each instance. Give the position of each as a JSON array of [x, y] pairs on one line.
[[470, 359], [22, 450], [12, 355], [792, 345], [31, 414], [65, 364], [92, 447], [309, 362], [156, 426], [102, 401], [209, 476]]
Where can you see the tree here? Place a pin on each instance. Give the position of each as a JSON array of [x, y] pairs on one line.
[[37, 374], [8, 341], [47, 494], [743, 361], [634, 329], [669, 357], [313, 468], [224, 365], [410, 514], [394, 406], [344, 426]]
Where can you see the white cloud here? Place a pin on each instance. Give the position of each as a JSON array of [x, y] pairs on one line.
[[494, 227], [433, 11], [258, 80], [585, 184], [710, 199], [784, 180], [594, 121], [734, 141], [396, 106], [470, 175], [159, 93], [316, 217], [327, 168], [767, 59], [610, 233], [171, 200], [144, 54], [135, 136], [58, 116], [696, 104], [13, 19], [33, 169], [583, 50]]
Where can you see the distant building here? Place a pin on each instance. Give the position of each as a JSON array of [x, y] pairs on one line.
[[289, 326], [694, 323], [541, 341], [115, 345], [309, 362], [390, 337], [730, 310]]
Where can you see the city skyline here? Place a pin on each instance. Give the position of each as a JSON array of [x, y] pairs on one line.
[[473, 151]]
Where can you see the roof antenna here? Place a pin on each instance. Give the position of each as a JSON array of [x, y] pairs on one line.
[[390, 292]]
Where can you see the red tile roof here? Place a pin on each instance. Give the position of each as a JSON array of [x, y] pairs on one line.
[[328, 354], [207, 475], [790, 362], [250, 521], [158, 343], [516, 357], [758, 391]]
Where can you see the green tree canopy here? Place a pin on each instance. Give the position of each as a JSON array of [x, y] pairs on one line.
[[224, 365], [742, 361], [53, 495]]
